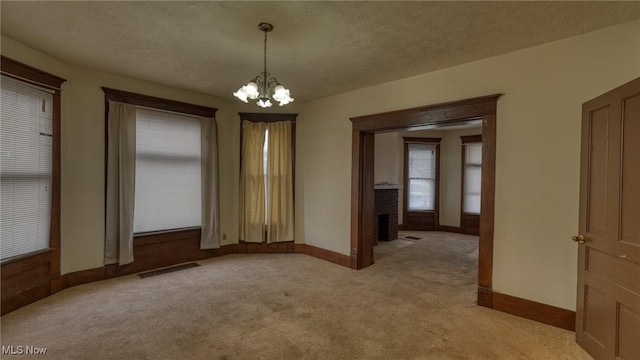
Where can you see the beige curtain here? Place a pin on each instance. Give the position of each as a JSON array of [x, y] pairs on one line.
[[210, 238], [279, 183], [252, 187], [121, 158]]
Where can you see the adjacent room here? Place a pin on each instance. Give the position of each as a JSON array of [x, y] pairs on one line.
[[320, 180]]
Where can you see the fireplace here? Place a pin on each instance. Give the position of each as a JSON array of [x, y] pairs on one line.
[[386, 213]]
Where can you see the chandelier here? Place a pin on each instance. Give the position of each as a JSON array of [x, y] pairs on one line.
[[264, 87]]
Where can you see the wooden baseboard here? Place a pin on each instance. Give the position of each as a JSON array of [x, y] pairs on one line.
[[451, 229], [532, 310], [485, 296], [25, 297], [264, 248], [547, 314], [327, 255], [165, 255], [84, 276]]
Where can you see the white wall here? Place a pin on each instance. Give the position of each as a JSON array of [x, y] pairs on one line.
[[389, 164], [538, 153], [388, 158]]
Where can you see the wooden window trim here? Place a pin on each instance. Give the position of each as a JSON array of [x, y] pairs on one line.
[[268, 118], [23, 72], [436, 198], [470, 139], [16, 294], [467, 219], [421, 140], [156, 103]]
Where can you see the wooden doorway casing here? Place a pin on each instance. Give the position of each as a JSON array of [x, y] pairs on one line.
[[362, 176]]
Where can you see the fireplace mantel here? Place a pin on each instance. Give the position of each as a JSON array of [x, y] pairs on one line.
[[387, 187]]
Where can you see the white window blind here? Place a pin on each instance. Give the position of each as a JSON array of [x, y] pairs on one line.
[[26, 148], [168, 184], [422, 176], [472, 177]]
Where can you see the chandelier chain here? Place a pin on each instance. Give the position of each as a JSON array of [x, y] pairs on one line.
[[264, 84]]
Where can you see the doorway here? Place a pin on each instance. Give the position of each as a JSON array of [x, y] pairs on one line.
[[362, 175]]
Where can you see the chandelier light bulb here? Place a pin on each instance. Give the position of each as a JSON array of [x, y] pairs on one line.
[[264, 102], [281, 95], [279, 91], [251, 89], [241, 94]]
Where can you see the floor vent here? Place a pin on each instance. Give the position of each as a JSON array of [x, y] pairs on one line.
[[167, 270], [412, 238]]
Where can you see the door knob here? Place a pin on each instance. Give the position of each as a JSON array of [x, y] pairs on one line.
[[579, 239]]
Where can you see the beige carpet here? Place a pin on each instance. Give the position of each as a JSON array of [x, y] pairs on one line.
[[416, 302]]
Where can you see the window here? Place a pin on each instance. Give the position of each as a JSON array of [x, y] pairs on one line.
[[266, 177], [421, 176], [26, 167], [168, 171], [472, 174], [29, 183], [173, 168]]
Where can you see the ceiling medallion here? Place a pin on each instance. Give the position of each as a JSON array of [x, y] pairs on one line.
[[264, 87]]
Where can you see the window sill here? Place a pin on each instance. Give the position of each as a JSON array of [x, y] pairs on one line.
[[156, 237], [162, 232], [25, 256]]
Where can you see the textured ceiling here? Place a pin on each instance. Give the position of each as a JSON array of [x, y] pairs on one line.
[[316, 49]]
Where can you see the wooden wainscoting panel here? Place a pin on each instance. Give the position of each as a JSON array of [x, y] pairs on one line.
[[154, 238], [547, 314], [25, 273], [150, 252], [264, 248], [227, 249], [451, 229], [420, 221], [470, 224], [59, 283], [24, 298], [84, 276]]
